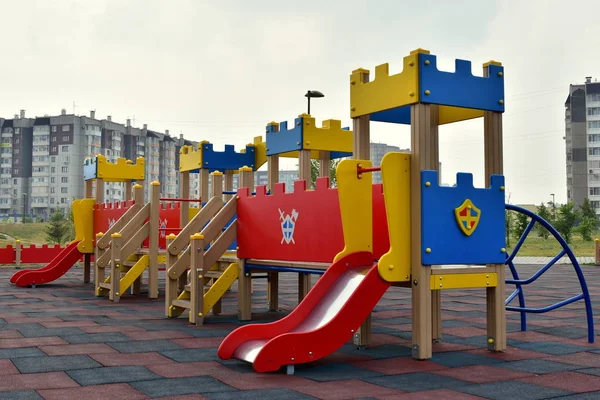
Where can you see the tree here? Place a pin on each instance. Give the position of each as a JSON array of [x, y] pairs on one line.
[[589, 220], [57, 228], [509, 223], [543, 212], [565, 220], [521, 225], [314, 172]]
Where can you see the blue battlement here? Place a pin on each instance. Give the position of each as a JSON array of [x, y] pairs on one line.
[[228, 159], [285, 139], [462, 224], [460, 88], [90, 169]]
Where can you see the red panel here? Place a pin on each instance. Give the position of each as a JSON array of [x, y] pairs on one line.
[[39, 255], [315, 215], [317, 233], [7, 255], [284, 345]]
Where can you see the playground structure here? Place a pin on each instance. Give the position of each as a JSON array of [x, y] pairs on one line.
[[362, 238], [439, 238]]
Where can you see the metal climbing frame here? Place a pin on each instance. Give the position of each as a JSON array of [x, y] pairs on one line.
[[519, 283]]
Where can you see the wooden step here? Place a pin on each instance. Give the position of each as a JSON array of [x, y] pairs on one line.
[[106, 286], [181, 303]]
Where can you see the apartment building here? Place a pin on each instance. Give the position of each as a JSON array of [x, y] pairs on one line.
[[582, 142], [41, 159]]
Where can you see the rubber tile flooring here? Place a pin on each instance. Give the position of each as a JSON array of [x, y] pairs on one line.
[[58, 341]]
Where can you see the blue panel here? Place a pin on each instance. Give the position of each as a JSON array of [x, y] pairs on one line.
[[461, 88], [286, 139], [400, 115], [228, 159], [441, 232], [339, 154], [90, 169]]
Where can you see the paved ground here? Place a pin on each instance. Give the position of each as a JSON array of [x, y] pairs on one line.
[[60, 342], [545, 260]]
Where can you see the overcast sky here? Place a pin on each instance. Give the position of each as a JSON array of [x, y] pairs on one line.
[[220, 70]]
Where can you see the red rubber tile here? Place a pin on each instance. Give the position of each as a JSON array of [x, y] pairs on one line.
[[482, 373], [119, 391], [443, 347], [184, 397], [154, 335], [112, 360], [348, 389], [8, 368], [440, 394], [185, 370], [14, 334], [72, 349], [30, 342], [583, 359], [47, 380], [69, 324], [571, 381], [511, 354], [399, 365], [383, 338], [464, 331], [199, 343], [531, 336]]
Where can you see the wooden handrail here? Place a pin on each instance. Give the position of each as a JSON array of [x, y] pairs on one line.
[[202, 218], [104, 241]]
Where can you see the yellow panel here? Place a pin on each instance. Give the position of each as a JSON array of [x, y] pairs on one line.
[[395, 265], [314, 154], [385, 92], [356, 206], [190, 157], [121, 171], [83, 216], [330, 137], [192, 213], [463, 281], [220, 286], [260, 152], [134, 273], [449, 115]]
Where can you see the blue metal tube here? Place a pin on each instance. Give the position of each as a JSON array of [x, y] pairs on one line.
[[549, 308], [521, 293], [249, 267], [540, 272], [522, 239]]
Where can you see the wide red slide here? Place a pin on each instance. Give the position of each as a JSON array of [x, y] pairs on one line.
[[323, 322], [59, 265]]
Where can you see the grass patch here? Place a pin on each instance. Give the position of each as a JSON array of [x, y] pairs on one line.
[[26, 233], [538, 247]]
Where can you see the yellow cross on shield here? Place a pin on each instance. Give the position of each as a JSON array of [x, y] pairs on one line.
[[467, 217]]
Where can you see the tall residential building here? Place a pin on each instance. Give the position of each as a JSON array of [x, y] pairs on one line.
[[582, 140], [41, 159]]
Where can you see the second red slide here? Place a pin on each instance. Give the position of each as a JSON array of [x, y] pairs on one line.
[[323, 322], [54, 270]]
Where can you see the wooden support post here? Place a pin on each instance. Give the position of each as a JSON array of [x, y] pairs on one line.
[[100, 191], [423, 146], [325, 164], [87, 267], [304, 173], [116, 243], [246, 179], [171, 284], [18, 248], [362, 151], [216, 191], [197, 269], [228, 185], [273, 281], [204, 177], [99, 272], [153, 240], [184, 193], [128, 191], [89, 189], [494, 164], [434, 164]]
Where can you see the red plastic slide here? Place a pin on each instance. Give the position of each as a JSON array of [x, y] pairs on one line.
[[323, 322], [54, 270]]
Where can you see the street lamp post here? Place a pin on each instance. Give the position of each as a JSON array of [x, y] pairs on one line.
[[553, 206], [24, 205], [310, 94]]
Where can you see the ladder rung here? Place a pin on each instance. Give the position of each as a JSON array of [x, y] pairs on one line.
[[181, 303]]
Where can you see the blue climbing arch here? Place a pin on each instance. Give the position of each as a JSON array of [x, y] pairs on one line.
[[519, 283]]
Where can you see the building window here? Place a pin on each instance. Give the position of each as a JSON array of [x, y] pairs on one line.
[[54, 129], [65, 128], [17, 141], [64, 179], [64, 190], [53, 138], [594, 151], [65, 169], [64, 149], [52, 189], [16, 171], [595, 191], [52, 200], [17, 151], [594, 138], [595, 204], [14, 181], [17, 131], [66, 138], [53, 169], [53, 150], [53, 180]]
